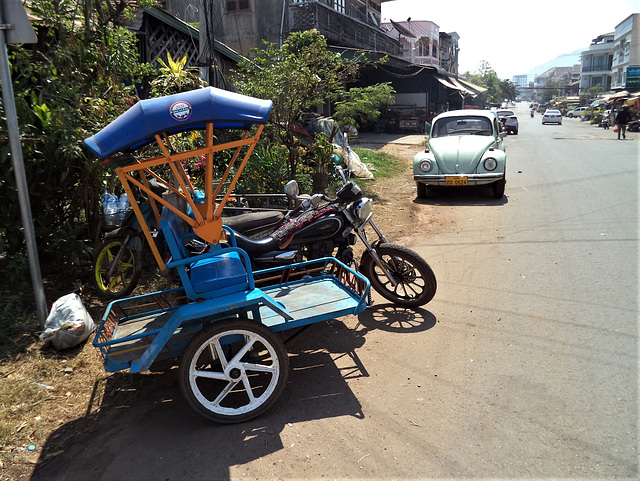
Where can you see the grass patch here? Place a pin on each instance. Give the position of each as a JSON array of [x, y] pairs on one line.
[[385, 165]]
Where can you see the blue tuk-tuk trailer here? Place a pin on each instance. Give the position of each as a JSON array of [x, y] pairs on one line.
[[224, 321]]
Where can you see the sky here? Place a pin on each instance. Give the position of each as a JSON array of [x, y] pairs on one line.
[[515, 36]]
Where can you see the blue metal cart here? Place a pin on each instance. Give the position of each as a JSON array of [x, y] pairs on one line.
[[223, 323]]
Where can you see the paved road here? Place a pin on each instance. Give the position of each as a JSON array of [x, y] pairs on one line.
[[537, 305], [525, 365]]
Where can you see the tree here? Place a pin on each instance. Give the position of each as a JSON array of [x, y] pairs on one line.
[[361, 105], [296, 77], [77, 78], [497, 90]]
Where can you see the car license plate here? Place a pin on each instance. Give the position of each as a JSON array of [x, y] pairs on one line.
[[455, 180]]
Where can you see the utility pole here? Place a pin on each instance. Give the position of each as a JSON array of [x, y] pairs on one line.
[[16, 28]]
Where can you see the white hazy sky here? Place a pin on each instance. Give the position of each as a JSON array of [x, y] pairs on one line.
[[515, 36]]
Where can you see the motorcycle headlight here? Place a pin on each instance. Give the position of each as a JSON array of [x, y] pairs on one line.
[[490, 164], [364, 209]]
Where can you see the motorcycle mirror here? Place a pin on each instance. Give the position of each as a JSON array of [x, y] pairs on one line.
[[291, 189]]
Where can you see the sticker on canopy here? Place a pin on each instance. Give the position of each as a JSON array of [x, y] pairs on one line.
[[180, 110]]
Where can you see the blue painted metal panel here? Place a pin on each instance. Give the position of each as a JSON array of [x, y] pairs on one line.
[[176, 113]]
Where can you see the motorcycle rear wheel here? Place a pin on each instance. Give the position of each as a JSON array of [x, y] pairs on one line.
[[125, 275], [416, 281]]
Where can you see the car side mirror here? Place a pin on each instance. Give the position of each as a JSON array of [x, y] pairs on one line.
[[427, 128], [503, 135]]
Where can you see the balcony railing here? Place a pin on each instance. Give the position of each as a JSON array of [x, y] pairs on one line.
[[340, 29]]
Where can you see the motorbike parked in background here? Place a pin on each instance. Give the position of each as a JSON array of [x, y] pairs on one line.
[[321, 227]]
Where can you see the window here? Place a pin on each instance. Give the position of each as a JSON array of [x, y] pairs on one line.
[[339, 6], [237, 5], [434, 51]]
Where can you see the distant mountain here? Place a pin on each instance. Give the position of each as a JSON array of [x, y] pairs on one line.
[[564, 60]]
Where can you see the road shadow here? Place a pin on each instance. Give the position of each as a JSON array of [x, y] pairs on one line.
[[393, 318], [462, 196], [142, 428]]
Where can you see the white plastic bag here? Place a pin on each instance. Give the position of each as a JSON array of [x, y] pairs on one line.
[[68, 323], [356, 166]]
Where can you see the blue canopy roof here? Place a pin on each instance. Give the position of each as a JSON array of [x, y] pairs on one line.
[[175, 113]]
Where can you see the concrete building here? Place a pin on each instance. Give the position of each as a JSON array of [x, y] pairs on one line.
[[419, 39], [626, 54], [244, 24], [596, 63]]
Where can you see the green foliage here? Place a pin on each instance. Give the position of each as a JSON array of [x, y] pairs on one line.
[[361, 105], [497, 90], [76, 79], [175, 78], [296, 77]]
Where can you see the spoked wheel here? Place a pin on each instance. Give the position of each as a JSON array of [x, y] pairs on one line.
[[416, 282], [233, 371], [119, 280]]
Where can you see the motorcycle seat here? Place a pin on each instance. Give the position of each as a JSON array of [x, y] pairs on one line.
[[255, 247]]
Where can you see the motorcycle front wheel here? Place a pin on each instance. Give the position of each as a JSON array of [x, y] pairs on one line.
[[123, 278], [416, 282]]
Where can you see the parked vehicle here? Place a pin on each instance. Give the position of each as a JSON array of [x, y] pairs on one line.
[[118, 262], [321, 227], [466, 147], [509, 121], [577, 112], [552, 117], [222, 323]]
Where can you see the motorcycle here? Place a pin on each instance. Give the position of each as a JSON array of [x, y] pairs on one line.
[[321, 227], [118, 263]]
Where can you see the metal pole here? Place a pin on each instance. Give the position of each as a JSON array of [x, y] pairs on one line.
[[21, 182]]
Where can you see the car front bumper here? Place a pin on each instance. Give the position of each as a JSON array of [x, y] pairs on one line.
[[459, 179]]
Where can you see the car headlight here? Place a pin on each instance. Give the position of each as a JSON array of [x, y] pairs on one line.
[[424, 162], [426, 165], [364, 209], [490, 164]]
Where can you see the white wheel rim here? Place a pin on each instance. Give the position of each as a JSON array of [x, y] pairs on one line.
[[235, 375]]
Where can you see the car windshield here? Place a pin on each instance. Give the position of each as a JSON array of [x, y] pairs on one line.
[[553, 112], [505, 113], [461, 126]]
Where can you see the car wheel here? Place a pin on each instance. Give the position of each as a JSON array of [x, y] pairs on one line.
[[498, 188], [422, 190], [570, 116], [515, 132]]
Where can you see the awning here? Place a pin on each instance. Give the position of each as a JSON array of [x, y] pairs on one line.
[[599, 102], [446, 82], [474, 87], [462, 88], [632, 101], [620, 95]]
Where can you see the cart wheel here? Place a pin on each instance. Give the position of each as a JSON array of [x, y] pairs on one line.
[[233, 371]]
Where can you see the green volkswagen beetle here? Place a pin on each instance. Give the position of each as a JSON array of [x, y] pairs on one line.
[[465, 147]]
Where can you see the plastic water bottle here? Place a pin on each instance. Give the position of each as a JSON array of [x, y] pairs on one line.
[[104, 197], [123, 205], [111, 210]]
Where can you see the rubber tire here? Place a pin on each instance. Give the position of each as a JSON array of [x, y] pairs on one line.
[[421, 190], [193, 391], [498, 188], [131, 270], [369, 269]]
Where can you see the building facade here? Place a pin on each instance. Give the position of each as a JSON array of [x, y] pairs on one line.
[[596, 63], [244, 24], [420, 40], [626, 53]]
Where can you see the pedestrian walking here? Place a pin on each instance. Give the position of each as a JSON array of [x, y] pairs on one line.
[[622, 119]]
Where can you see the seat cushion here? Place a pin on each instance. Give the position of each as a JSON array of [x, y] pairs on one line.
[[215, 273]]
